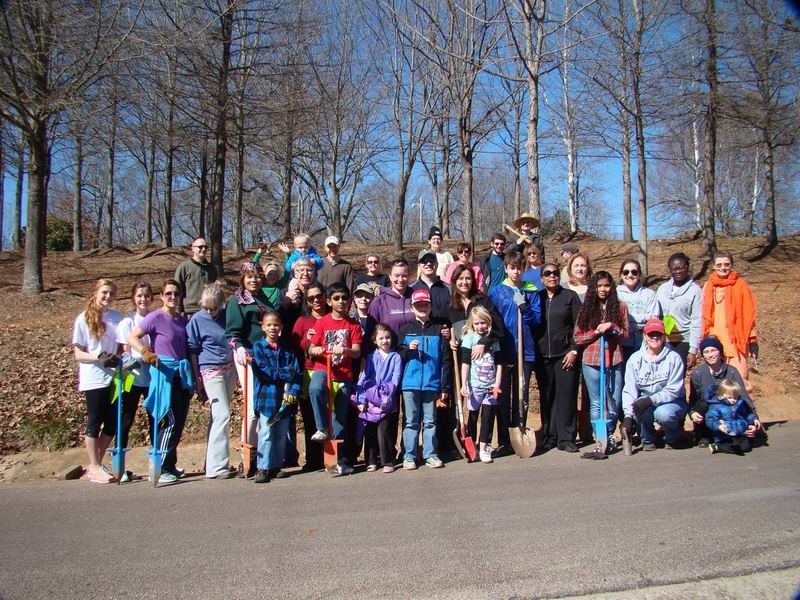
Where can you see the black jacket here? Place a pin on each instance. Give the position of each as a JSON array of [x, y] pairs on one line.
[[440, 296], [458, 318], [554, 336]]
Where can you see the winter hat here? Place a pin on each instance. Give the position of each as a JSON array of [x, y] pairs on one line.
[[710, 342], [434, 230]]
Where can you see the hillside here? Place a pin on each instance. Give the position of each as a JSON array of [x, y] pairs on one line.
[[40, 406]]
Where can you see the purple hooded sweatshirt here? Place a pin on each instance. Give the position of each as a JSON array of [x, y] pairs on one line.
[[378, 385], [391, 309]]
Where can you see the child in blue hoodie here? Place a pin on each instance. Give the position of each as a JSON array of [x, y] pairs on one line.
[[426, 380], [729, 418], [302, 249]]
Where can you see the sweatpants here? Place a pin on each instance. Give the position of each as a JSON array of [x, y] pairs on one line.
[[219, 389], [170, 428], [558, 399]]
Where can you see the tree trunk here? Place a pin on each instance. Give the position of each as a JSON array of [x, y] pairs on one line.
[[697, 169], [399, 218], [2, 181], [167, 232], [77, 204], [638, 122], [112, 147], [148, 200], [465, 143], [515, 158], [221, 137], [288, 174], [238, 243], [16, 233], [710, 142], [32, 282], [445, 193], [753, 204], [201, 221], [770, 223], [534, 43]]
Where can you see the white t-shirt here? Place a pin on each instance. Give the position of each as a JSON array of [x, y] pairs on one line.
[[443, 260], [124, 330], [91, 375]]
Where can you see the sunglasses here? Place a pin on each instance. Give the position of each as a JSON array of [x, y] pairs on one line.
[[428, 262], [319, 297], [171, 294], [498, 243], [466, 252], [550, 274], [633, 272], [202, 247], [373, 262], [655, 334]]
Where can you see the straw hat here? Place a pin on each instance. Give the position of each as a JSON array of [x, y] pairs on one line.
[[526, 218]]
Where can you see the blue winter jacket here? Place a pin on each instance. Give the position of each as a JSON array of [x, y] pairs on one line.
[[737, 417], [312, 255], [503, 298], [429, 367]]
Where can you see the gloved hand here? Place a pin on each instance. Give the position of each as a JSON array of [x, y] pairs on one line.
[[641, 405], [150, 357], [519, 299], [132, 363], [108, 360], [241, 355]]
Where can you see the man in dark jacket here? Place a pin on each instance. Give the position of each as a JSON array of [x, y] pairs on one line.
[[430, 282], [492, 265]]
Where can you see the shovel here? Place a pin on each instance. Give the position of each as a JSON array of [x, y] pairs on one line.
[[248, 450], [118, 452], [330, 447], [464, 443], [523, 440], [600, 425]]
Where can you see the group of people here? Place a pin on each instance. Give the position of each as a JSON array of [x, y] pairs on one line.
[[352, 352]]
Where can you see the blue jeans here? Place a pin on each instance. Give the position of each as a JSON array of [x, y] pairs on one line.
[[272, 443], [591, 375], [419, 406], [318, 394], [670, 416]]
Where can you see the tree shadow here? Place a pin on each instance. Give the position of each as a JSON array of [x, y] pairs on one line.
[[763, 252]]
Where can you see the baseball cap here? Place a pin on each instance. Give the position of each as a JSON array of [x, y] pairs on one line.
[[420, 296], [426, 252], [654, 325], [364, 287], [331, 239]]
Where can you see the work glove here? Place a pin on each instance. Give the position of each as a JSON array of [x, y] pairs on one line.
[[519, 299], [131, 363], [150, 357], [108, 360], [241, 355], [641, 405]]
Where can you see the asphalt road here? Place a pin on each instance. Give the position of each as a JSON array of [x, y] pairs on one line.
[[549, 526]]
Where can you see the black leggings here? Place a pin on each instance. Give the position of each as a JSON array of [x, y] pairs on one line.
[[376, 441], [558, 399], [487, 423], [100, 412], [130, 403]]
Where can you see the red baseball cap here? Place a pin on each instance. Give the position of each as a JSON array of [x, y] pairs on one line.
[[420, 296], [654, 325]]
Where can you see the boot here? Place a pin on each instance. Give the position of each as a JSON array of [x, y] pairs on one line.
[[626, 429]]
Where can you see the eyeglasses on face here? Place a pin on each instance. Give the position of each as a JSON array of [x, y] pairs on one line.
[[498, 243], [633, 272], [373, 262], [315, 297], [550, 274]]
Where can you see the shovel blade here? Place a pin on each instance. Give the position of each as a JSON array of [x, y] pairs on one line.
[[118, 464], [523, 441], [601, 433], [469, 446], [330, 453], [459, 444], [155, 469]]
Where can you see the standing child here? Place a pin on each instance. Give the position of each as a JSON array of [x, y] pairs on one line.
[[426, 379], [482, 377], [340, 336], [729, 417], [94, 341], [302, 249], [277, 382], [376, 398]]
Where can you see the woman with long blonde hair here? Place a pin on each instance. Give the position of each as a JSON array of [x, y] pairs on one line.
[[94, 342]]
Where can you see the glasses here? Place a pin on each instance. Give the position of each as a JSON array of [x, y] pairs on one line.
[[550, 274], [373, 262], [655, 335], [316, 297], [427, 263], [633, 272], [498, 243], [171, 294], [202, 247], [467, 252]]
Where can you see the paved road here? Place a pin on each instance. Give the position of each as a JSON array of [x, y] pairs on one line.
[[549, 526]]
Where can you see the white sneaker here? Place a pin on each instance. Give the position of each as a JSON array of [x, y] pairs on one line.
[[343, 469], [485, 456], [319, 436]]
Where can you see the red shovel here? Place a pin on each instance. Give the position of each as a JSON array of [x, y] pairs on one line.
[[464, 443], [330, 447], [248, 450]]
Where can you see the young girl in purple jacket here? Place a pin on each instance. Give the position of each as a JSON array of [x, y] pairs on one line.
[[376, 397]]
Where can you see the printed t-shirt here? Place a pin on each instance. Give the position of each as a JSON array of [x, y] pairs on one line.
[[336, 333]]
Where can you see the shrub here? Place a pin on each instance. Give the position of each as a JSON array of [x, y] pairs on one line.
[[59, 235]]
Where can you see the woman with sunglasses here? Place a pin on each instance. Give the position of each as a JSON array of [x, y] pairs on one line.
[[373, 277], [464, 258], [171, 377], [641, 302], [302, 332], [533, 256], [654, 391], [558, 368]]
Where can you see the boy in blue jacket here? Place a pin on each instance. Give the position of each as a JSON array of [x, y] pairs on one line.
[[511, 298], [426, 380], [729, 417]]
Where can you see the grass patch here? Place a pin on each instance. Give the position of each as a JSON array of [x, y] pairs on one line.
[[35, 434]]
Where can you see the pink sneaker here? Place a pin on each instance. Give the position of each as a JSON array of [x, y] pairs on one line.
[[388, 469], [100, 475]]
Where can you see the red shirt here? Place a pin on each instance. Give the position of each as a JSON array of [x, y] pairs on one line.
[[331, 333], [300, 341]]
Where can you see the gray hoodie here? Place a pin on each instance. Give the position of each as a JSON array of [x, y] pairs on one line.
[[642, 304], [685, 303], [658, 377]]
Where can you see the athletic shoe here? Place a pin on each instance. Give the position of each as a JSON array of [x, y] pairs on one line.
[[100, 475], [278, 474], [570, 447], [649, 447], [388, 469], [106, 472], [502, 451], [485, 456], [127, 477], [612, 445], [490, 449], [319, 436], [703, 442], [409, 465], [434, 462], [372, 468], [262, 476], [178, 472], [713, 448], [224, 475], [167, 477], [343, 469]]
